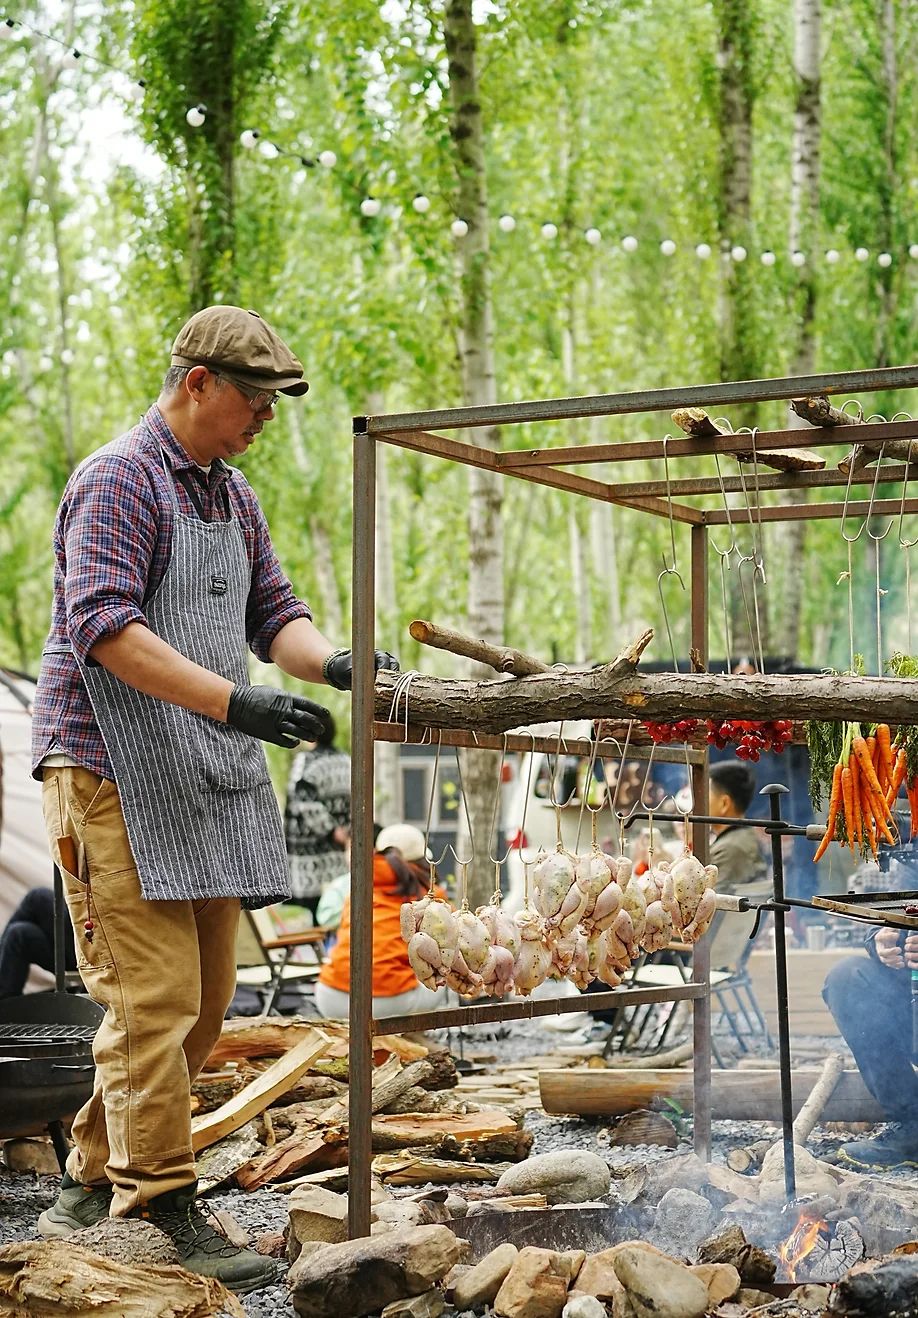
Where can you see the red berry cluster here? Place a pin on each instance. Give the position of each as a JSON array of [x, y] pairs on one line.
[[752, 737], [663, 732]]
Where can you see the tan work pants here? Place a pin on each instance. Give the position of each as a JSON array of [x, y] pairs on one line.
[[165, 971]]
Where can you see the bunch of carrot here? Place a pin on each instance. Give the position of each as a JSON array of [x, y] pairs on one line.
[[865, 783]]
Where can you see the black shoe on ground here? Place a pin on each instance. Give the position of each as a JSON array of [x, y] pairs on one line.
[[201, 1248], [896, 1146], [77, 1206]]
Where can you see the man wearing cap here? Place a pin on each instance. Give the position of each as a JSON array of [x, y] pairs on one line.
[[147, 737]]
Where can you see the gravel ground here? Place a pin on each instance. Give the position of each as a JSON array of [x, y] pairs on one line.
[[23, 1197]]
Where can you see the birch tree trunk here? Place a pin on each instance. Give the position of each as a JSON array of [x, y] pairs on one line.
[[888, 176], [580, 582], [790, 538], [479, 387]]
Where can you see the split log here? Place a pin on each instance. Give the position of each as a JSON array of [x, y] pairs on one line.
[[220, 1163], [820, 1094], [54, 1278], [755, 1267], [664, 697], [279, 1077], [877, 1290], [819, 412], [419, 1169], [244, 1038], [301, 1150], [739, 1095], [696, 423], [388, 1080], [474, 1131], [500, 657]]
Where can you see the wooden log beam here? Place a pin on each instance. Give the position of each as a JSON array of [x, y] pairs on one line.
[[746, 1095], [661, 697], [698, 425], [818, 411]]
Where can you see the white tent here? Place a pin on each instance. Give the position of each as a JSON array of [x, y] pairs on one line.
[[25, 861]]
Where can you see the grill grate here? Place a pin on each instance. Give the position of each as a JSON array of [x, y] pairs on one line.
[[24, 1034]]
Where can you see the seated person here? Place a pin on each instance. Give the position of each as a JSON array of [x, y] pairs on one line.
[[735, 850], [28, 940], [401, 873], [871, 1000]]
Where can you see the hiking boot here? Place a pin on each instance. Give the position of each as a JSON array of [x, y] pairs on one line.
[[76, 1206], [896, 1146], [201, 1248]]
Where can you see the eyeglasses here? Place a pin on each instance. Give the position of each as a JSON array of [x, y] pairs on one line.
[[257, 399]]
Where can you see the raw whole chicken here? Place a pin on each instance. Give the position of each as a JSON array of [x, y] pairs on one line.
[[578, 970], [693, 890], [497, 972], [620, 940], [592, 876], [533, 961], [634, 902], [607, 901], [556, 895], [430, 929], [658, 927], [474, 939]]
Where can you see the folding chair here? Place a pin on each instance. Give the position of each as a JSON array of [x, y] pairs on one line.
[[264, 958]]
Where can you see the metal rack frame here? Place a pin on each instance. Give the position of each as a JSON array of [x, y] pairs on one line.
[[415, 430]]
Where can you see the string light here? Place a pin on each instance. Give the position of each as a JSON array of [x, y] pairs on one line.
[[798, 259], [506, 224], [913, 251], [195, 116], [629, 243], [370, 206], [268, 149], [832, 256], [738, 253], [703, 251], [768, 258], [327, 159], [249, 138], [668, 247], [7, 28], [549, 231], [885, 260], [421, 204], [458, 228], [862, 254], [73, 58], [593, 237]]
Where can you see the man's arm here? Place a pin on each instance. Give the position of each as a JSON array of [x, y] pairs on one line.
[[145, 662], [300, 650]]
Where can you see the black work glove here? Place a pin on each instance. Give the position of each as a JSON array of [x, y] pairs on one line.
[[338, 669], [273, 715]]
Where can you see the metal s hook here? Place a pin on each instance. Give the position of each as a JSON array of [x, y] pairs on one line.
[[500, 778]]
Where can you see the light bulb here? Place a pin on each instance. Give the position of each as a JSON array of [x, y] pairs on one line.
[[458, 228], [327, 159], [195, 116], [703, 251], [249, 138], [506, 224], [862, 254], [629, 243], [738, 253], [72, 58], [885, 260], [67, 356], [370, 206], [268, 149], [668, 247], [421, 204], [549, 230], [135, 90], [913, 251], [767, 258], [832, 256], [7, 28], [798, 259], [593, 237]]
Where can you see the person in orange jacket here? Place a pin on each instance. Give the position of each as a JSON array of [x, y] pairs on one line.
[[401, 873]]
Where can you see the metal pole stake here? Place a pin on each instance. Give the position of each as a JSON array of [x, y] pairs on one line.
[[774, 792]]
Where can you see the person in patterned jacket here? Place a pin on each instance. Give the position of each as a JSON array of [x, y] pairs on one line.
[[317, 818]]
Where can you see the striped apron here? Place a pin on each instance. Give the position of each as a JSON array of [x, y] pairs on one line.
[[201, 814]]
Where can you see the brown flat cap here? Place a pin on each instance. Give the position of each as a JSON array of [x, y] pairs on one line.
[[242, 344]]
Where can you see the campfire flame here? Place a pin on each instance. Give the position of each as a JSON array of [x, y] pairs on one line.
[[800, 1244]]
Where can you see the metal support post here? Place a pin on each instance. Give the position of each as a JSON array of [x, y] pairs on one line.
[[774, 792], [360, 1044], [701, 956]]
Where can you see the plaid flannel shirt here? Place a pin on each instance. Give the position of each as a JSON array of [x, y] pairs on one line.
[[112, 543]]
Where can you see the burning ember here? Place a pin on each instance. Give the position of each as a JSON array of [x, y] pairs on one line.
[[819, 1251]]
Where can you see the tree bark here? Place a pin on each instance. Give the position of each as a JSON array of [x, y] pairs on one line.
[[660, 697], [479, 387], [500, 657]]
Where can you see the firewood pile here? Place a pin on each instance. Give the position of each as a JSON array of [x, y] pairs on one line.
[[272, 1106]]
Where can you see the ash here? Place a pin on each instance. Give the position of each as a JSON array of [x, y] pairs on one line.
[[24, 1196]]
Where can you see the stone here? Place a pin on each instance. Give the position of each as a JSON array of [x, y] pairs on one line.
[[598, 1277], [457, 1206], [271, 1244], [812, 1180], [887, 1214], [811, 1297], [657, 1286], [429, 1305], [583, 1306], [683, 1220], [296, 1250], [687, 1172], [721, 1279], [317, 1214], [752, 1298], [568, 1176], [31, 1154], [127, 1240], [412, 1212], [480, 1283], [358, 1277], [537, 1284], [228, 1226]]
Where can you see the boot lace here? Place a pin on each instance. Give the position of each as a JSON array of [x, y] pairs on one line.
[[192, 1233]]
